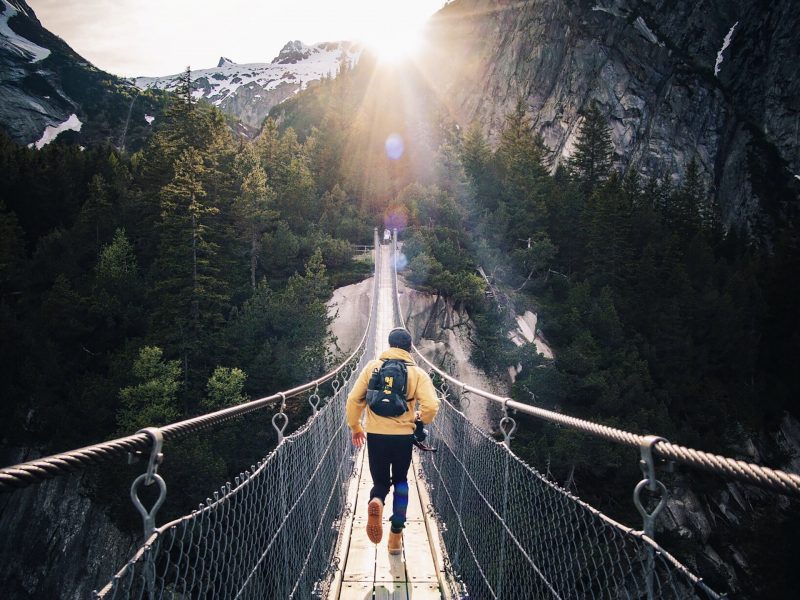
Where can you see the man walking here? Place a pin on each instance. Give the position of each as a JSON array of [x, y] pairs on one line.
[[390, 426]]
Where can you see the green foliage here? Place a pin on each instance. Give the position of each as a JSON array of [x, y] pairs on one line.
[[437, 259], [592, 159], [117, 263], [225, 388], [660, 321], [476, 156], [159, 260], [154, 400], [12, 253], [520, 160]]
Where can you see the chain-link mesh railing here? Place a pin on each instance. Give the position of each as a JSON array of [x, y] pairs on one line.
[[274, 532], [510, 533], [271, 534]]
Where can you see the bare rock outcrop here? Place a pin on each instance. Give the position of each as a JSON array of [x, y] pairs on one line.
[[58, 543], [660, 70]]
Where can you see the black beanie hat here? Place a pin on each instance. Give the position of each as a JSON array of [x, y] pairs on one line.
[[400, 338]]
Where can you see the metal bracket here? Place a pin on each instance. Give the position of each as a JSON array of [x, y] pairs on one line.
[[648, 466], [464, 400], [508, 425], [314, 400], [280, 428], [150, 476]]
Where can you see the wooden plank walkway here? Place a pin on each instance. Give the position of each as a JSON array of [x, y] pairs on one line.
[[367, 570]]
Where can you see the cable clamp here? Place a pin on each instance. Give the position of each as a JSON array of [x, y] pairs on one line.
[[314, 400], [508, 425], [648, 466], [280, 416], [150, 476]]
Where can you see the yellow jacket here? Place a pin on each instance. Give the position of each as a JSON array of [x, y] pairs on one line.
[[419, 389]]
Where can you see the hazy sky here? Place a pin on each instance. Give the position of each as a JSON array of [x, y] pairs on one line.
[[161, 37]]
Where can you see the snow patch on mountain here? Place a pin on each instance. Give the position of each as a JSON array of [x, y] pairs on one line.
[[149, 119], [297, 64], [641, 26], [51, 131], [611, 10], [15, 42], [725, 43]]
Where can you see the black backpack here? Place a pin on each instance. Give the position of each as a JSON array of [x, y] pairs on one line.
[[386, 391]]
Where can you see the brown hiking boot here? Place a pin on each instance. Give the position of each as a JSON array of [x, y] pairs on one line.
[[395, 542], [375, 520]]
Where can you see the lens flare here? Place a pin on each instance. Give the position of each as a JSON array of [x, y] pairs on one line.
[[394, 146], [400, 261]]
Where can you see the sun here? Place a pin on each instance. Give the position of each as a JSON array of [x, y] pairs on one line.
[[392, 30], [394, 43]]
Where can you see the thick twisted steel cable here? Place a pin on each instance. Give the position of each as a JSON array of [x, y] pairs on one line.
[[36, 471], [773, 479], [579, 552], [269, 534]]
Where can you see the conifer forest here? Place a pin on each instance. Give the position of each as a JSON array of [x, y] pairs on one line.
[[141, 287]]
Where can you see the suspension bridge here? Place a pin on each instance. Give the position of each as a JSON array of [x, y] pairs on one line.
[[481, 522]]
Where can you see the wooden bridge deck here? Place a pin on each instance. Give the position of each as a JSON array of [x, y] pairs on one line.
[[368, 570]]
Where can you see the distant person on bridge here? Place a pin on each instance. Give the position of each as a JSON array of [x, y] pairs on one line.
[[389, 438]]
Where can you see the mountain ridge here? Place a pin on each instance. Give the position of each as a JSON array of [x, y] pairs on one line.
[[47, 87], [249, 91]]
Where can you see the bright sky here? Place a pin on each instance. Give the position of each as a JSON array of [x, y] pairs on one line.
[[162, 37]]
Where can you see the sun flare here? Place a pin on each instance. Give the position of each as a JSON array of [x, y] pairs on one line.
[[392, 31], [395, 43]]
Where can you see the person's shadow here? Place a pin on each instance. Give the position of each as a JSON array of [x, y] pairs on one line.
[[397, 570]]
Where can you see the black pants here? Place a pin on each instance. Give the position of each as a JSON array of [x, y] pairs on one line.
[[389, 459]]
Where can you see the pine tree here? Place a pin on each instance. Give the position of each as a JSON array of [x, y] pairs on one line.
[[253, 208], [153, 401], [96, 210], [476, 156], [117, 262], [192, 294], [591, 161], [608, 238], [267, 147], [520, 159], [225, 388], [12, 251], [683, 211]]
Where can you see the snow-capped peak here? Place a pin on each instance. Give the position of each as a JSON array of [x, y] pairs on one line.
[[249, 91], [14, 42], [293, 52]]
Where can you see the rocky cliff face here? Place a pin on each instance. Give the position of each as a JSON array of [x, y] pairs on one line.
[[49, 91], [660, 70], [56, 543], [739, 537]]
